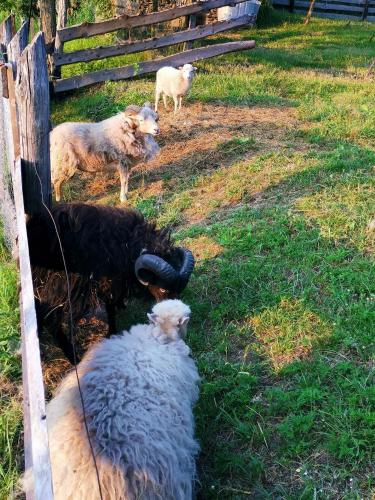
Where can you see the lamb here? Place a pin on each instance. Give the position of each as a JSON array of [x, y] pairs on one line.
[[112, 254], [174, 83], [119, 142], [138, 388]]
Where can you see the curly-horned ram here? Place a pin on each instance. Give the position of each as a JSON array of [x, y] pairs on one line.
[[173, 83], [121, 142], [112, 254], [139, 388]]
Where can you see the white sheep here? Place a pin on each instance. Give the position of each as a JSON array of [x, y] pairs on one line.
[[173, 83], [139, 388], [119, 142]]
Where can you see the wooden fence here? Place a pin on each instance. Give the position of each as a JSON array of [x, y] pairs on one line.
[[24, 101], [333, 9], [60, 58]]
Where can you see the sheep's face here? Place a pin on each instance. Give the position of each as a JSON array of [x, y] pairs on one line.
[[172, 317], [188, 71], [144, 119]]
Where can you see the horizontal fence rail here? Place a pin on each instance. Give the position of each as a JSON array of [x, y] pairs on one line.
[[94, 54], [341, 9], [128, 22], [150, 66]]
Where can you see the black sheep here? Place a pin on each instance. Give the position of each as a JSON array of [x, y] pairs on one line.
[[111, 255]]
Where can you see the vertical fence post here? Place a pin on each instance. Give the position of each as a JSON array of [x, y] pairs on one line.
[[365, 10], [9, 28], [17, 45], [32, 95], [192, 22], [7, 31], [6, 157], [62, 9]]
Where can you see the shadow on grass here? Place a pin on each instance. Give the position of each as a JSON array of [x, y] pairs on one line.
[[260, 427], [280, 287]]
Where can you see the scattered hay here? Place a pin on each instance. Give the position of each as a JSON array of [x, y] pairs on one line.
[[200, 139]]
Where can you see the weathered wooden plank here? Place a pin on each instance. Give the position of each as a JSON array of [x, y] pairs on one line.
[[97, 53], [7, 29], [329, 6], [32, 95], [329, 15], [6, 194], [4, 79], [348, 2], [333, 2], [13, 117], [150, 66], [35, 431], [17, 45], [35, 425], [11, 135], [91, 29]]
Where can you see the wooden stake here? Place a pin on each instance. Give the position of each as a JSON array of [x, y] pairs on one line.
[[32, 95], [309, 14]]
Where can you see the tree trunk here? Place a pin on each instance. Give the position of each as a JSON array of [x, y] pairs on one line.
[[48, 19], [62, 18]]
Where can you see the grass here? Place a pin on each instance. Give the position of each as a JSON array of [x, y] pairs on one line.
[[268, 177], [10, 394], [277, 210]]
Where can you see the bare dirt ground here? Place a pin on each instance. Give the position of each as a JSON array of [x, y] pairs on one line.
[[190, 145]]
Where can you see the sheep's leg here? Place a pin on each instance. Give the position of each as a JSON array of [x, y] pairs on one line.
[[65, 345], [165, 101], [175, 99], [52, 319], [157, 99], [124, 179], [111, 319], [180, 102], [57, 188]]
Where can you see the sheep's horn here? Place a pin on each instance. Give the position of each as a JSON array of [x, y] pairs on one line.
[[186, 267], [148, 263]]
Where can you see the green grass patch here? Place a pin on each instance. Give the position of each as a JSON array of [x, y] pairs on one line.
[[10, 374], [280, 218]]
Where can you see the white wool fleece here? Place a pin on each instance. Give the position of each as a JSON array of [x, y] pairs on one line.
[[139, 388]]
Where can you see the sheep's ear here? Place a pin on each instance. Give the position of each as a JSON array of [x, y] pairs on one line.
[[147, 104], [184, 321], [195, 68], [152, 318], [132, 110]]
